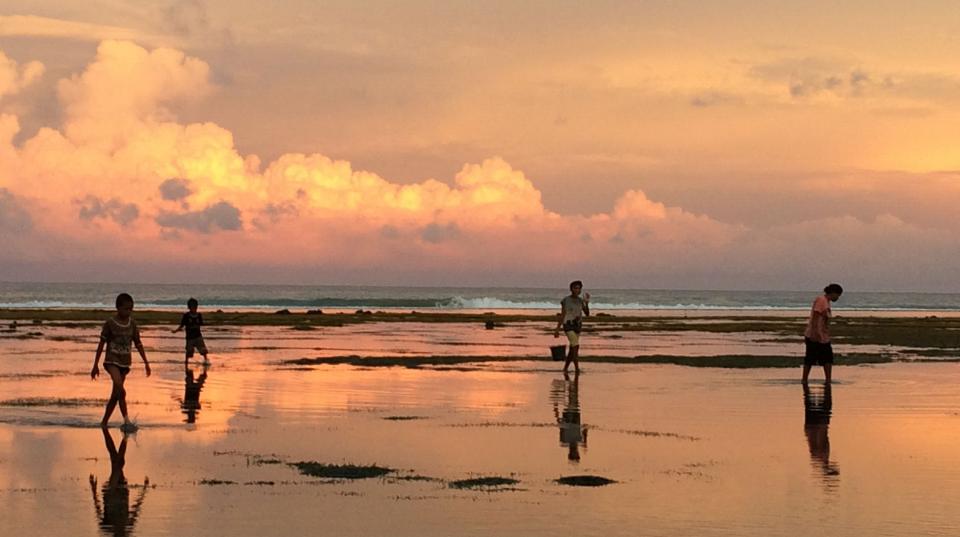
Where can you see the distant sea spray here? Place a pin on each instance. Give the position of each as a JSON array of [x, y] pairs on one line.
[[274, 297]]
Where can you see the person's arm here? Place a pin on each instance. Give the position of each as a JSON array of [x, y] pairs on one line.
[[95, 372], [177, 329], [825, 326], [96, 500], [139, 344], [138, 503], [104, 335], [586, 304], [556, 331], [821, 319]]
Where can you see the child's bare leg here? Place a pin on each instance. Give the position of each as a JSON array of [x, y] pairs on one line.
[[123, 402], [827, 370], [806, 372], [112, 403], [118, 396]]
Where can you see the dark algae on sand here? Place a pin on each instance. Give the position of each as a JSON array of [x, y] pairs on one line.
[[340, 471]]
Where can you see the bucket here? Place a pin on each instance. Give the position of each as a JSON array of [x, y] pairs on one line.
[[558, 352]]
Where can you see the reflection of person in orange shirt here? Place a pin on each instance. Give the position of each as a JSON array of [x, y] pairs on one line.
[[572, 433], [190, 405], [818, 407], [116, 517], [819, 349]]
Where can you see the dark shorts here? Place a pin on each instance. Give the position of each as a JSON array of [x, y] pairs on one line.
[[196, 344], [121, 368], [817, 353]]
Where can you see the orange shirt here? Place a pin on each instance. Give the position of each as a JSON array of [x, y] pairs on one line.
[[818, 326]]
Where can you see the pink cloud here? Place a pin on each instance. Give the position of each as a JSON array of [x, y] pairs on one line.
[[123, 170]]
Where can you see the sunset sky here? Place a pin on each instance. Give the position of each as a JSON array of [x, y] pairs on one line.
[[661, 144]]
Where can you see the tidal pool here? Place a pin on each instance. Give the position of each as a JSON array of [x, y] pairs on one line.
[[491, 449]]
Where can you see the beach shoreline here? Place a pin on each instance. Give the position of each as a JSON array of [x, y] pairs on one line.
[[435, 339]]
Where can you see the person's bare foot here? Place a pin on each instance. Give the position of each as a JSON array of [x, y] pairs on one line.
[[129, 427]]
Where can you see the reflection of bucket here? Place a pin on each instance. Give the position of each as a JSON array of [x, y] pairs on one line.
[[559, 352]]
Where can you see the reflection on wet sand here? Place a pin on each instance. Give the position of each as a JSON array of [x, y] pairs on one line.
[[572, 433], [190, 405], [114, 512], [818, 406]]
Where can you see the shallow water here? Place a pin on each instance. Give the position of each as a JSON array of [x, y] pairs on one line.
[[693, 451]]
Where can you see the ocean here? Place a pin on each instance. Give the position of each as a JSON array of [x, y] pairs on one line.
[[272, 297]]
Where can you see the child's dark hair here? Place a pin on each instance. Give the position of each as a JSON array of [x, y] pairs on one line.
[[123, 299], [192, 303], [833, 288], [576, 283]]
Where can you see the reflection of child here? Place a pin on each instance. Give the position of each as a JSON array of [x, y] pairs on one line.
[[572, 310], [192, 321], [191, 394], [119, 334], [114, 513]]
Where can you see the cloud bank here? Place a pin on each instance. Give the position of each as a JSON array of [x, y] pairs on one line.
[[121, 169]]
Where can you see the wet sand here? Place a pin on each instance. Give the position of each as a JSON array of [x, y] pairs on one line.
[[494, 440]]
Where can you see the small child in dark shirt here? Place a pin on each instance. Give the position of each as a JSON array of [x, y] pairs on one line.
[[191, 322]]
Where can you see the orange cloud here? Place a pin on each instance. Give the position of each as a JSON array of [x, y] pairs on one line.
[[14, 78], [122, 179], [37, 26]]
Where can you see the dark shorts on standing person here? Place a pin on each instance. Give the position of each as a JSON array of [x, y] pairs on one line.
[[196, 344], [817, 353], [572, 330]]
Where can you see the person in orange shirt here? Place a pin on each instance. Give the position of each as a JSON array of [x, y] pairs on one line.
[[817, 336]]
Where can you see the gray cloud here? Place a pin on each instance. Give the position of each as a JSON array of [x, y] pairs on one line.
[[92, 207], [13, 216], [714, 98], [221, 215], [389, 232], [436, 233], [175, 189], [274, 212], [808, 77], [191, 19]]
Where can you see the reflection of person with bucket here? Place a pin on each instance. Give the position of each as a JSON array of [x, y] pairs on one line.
[[572, 432], [572, 310]]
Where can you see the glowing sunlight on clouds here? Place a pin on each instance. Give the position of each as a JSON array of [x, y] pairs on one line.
[[123, 183]]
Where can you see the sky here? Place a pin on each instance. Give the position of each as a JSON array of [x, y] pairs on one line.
[[655, 144]]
